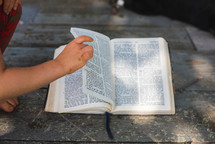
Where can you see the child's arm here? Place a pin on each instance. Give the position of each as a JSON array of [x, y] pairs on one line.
[[18, 81]]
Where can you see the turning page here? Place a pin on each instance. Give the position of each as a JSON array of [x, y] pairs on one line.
[[74, 100], [97, 74], [66, 95], [142, 74]]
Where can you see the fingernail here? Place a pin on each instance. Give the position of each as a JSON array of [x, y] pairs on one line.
[[10, 109]]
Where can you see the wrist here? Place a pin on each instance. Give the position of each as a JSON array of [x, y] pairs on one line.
[[60, 67]]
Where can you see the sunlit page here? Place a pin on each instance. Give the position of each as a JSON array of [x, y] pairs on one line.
[[140, 73]]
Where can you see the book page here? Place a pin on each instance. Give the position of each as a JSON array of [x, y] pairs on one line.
[[141, 76], [52, 98], [97, 74], [75, 100], [66, 95]]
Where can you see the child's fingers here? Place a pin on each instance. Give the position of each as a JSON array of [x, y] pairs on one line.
[[82, 39], [6, 107], [87, 48], [16, 100], [82, 45], [87, 52], [8, 5], [11, 6], [79, 46], [16, 4], [13, 102]]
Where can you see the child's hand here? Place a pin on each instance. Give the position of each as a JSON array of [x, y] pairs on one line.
[[75, 55], [9, 104], [8, 5]]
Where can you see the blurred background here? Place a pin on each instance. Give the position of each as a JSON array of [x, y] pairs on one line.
[[47, 23]]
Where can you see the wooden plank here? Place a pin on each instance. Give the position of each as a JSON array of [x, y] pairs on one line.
[[82, 7], [191, 66], [193, 121], [15, 142], [55, 35], [123, 18], [92, 12], [22, 57], [205, 84], [87, 12], [203, 41]]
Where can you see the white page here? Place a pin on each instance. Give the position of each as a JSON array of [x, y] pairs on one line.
[[75, 100], [97, 74], [141, 80]]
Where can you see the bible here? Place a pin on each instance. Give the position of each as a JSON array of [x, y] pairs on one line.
[[125, 76]]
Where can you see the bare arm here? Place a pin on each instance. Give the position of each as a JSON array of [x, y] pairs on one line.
[[18, 81]]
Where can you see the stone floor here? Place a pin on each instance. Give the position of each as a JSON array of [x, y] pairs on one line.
[[45, 25]]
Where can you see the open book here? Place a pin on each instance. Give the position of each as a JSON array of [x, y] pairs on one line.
[[125, 76]]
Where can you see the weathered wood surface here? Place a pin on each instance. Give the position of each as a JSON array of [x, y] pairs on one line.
[[22, 57], [194, 119], [55, 35], [202, 40], [91, 12], [45, 26]]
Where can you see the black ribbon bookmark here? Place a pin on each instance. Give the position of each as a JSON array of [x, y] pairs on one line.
[[108, 125]]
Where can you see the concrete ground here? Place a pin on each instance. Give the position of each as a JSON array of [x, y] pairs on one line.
[[45, 25]]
